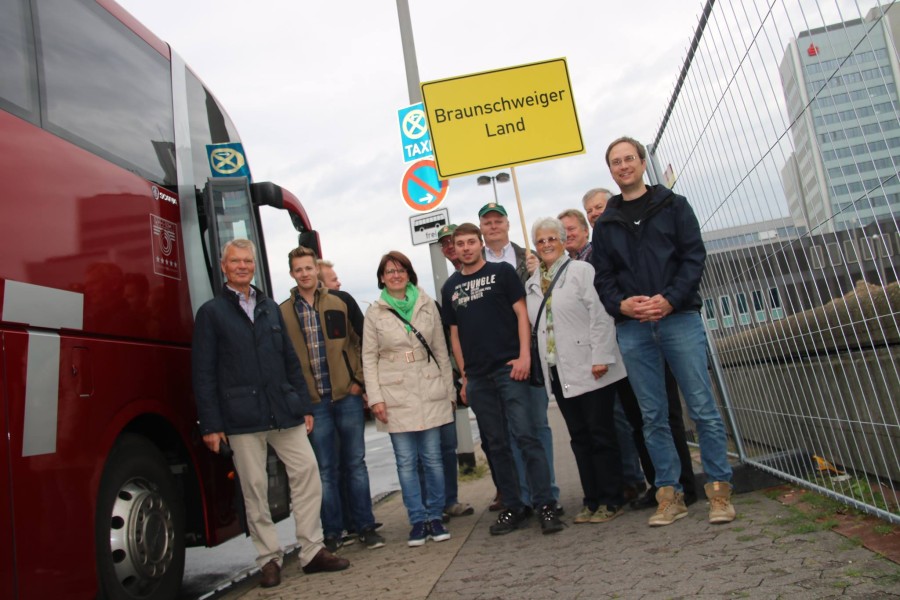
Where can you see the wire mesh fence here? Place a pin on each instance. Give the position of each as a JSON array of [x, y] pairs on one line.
[[783, 131]]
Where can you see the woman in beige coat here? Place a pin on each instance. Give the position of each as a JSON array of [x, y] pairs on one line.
[[409, 384]]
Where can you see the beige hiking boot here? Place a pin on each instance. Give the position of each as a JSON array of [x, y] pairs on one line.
[[720, 508], [670, 507]]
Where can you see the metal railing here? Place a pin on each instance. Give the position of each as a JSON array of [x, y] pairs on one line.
[[783, 132]]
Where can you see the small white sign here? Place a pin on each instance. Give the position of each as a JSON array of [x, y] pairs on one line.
[[424, 228]]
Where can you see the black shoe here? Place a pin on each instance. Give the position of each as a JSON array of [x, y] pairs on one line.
[[550, 523], [333, 543], [690, 499], [558, 509], [508, 521], [371, 539], [645, 500]]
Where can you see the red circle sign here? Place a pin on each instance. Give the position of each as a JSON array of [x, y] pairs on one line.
[[422, 189]]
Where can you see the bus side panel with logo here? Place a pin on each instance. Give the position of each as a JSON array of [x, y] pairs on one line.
[[107, 255]]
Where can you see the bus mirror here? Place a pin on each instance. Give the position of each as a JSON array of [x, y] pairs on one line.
[[267, 193], [310, 239]]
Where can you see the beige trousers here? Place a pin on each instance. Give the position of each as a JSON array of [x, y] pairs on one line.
[[293, 448]]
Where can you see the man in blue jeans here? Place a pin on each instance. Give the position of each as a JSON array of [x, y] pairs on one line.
[[484, 305], [649, 257], [320, 329]]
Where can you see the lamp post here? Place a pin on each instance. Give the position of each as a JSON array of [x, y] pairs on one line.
[[493, 179]]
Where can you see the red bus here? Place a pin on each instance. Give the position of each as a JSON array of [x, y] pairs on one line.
[[111, 226]]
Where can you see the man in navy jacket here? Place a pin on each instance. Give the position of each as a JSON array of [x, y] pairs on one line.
[[250, 392], [649, 257]]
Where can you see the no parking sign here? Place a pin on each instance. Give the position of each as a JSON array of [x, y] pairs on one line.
[[422, 189]]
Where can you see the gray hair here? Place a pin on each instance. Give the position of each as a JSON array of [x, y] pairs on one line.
[[551, 223], [593, 192], [243, 244]]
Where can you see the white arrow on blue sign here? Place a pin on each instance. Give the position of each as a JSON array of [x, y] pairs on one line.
[[414, 135]]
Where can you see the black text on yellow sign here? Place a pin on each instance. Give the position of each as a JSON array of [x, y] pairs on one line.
[[502, 118]]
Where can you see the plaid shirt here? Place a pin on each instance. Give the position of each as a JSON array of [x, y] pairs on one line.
[[583, 254], [315, 343]]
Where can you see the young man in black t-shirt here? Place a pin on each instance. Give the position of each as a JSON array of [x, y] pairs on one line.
[[484, 305]]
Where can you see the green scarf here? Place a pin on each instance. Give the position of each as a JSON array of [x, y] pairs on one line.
[[547, 275], [405, 306]]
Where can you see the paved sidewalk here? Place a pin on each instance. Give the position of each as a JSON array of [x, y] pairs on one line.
[[763, 554]]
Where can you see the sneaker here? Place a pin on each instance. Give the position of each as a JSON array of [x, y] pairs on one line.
[[583, 516], [371, 539], [333, 543], [349, 538], [558, 509], [606, 513], [550, 522], [508, 521], [437, 531], [460, 509], [417, 535], [670, 507], [721, 510]]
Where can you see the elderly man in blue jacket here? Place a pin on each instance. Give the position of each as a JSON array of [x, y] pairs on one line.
[[250, 393], [649, 257]]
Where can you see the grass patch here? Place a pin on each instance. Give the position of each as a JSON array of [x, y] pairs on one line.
[[475, 474], [883, 529]]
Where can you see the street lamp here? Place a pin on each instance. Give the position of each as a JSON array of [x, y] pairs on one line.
[[493, 179]]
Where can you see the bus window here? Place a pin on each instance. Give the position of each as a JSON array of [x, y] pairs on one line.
[[18, 75], [228, 198], [126, 116]]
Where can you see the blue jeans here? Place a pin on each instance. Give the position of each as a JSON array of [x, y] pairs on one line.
[[448, 459], [632, 474], [503, 410], [680, 341], [538, 405], [338, 439], [411, 448]]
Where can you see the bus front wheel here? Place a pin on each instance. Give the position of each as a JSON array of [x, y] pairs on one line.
[[139, 525]]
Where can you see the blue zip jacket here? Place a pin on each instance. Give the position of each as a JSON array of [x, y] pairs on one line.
[[246, 375], [663, 255]]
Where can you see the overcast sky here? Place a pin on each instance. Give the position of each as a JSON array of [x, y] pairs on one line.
[[314, 88]]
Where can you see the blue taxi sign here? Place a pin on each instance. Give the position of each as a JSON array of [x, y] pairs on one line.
[[414, 135]]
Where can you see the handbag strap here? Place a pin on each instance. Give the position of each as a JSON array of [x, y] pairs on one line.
[[418, 335], [537, 319]]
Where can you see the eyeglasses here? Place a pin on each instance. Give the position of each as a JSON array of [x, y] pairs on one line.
[[390, 272], [627, 160], [546, 240]]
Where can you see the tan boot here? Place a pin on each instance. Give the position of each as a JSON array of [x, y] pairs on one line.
[[670, 507], [720, 508]]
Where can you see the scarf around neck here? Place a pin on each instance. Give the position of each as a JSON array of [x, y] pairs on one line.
[[403, 306]]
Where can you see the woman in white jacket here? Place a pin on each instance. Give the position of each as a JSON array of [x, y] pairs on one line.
[[409, 383], [580, 360]]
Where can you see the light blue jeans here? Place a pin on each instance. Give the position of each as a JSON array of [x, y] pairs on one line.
[[538, 403], [680, 340], [411, 448]]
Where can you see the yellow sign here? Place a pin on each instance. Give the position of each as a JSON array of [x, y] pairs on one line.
[[502, 118]]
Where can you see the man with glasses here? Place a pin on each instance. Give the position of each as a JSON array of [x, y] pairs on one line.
[[649, 257]]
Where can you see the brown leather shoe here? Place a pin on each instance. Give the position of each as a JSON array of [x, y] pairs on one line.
[[271, 574], [497, 504], [325, 561]]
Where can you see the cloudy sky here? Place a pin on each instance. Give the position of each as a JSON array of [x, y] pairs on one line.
[[314, 89]]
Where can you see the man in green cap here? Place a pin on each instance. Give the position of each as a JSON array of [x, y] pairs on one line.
[[445, 239]]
